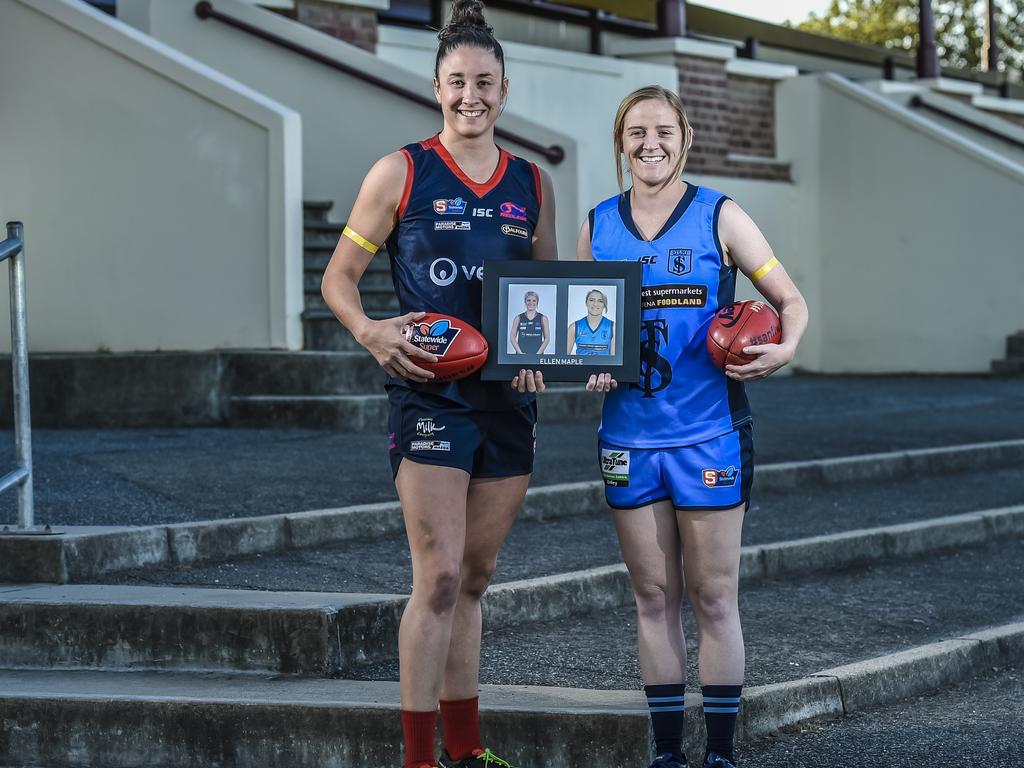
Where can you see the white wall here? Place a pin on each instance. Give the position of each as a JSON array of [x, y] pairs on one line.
[[573, 92], [347, 123], [917, 228], [162, 202]]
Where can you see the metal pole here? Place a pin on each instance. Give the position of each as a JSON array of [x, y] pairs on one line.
[[672, 18], [990, 48], [19, 368], [927, 52]]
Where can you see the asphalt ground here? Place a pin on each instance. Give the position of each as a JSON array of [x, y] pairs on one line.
[[150, 476], [978, 724], [542, 548], [793, 626]]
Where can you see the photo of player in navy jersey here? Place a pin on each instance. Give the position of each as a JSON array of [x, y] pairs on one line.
[[594, 333], [530, 332]]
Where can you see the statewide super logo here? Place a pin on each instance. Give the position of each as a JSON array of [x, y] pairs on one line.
[[456, 207], [513, 211], [435, 338], [720, 478], [615, 467]]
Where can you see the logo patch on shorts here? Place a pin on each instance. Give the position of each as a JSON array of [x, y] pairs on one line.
[[720, 478], [426, 427], [430, 445], [615, 467]]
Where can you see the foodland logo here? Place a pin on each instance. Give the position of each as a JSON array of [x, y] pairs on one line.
[[435, 337]]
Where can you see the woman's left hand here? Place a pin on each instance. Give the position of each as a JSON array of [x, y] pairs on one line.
[[528, 381], [601, 382], [770, 357]]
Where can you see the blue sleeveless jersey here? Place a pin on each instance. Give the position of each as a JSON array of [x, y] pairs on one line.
[[447, 226], [594, 342], [682, 398]]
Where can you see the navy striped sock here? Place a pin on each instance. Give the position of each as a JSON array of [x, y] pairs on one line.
[[721, 707], [667, 705]]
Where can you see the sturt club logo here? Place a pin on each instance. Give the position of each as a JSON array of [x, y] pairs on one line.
[[720, 478], [435, 337], [680, 261], [655, 370]]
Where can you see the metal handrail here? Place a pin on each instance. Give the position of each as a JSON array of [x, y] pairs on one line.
[[13, 248], [920, 103], [205, 10]]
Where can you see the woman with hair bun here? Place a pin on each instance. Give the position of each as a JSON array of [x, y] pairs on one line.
[[461, 452]]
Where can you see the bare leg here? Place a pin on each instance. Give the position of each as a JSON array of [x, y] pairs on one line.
[[434, 503], [711, 561], [649, 538], [491, 509]]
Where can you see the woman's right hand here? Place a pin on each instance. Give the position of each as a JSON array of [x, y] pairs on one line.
[[601, 382], [384, 340]]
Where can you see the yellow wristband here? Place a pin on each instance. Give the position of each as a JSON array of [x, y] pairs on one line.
[[359, 240], [771, 264]]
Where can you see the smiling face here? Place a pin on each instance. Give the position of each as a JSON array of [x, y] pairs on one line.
[[531, 301], [596, 303], [653, 142], [471, 89]]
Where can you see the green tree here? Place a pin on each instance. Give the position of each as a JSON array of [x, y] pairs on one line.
[[959, 25]]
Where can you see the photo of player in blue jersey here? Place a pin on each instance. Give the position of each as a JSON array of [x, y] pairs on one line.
[[676, 448], [594, 333], [530, 333]]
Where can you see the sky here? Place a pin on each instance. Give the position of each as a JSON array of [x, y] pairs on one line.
[[776, 11]]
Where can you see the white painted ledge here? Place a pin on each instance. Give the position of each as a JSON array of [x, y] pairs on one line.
[[890, 87], [377, 5], [736, 157], [996, 104], [669, 46], [948, 85], [762, 70]]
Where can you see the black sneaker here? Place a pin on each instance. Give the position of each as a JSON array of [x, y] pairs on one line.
[[667, 760], [481, 758], [715, 760]]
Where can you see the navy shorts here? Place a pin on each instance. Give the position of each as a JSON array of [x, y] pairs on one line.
[[434, 430], [712, 475]]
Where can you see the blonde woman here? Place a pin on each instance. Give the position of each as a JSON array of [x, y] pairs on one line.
[[676, 448]]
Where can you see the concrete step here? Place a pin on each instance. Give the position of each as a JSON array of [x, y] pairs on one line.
[[316, 210], [322, 331], [249, 721], [82, 553], [302, 373], [333, 634], [369, 412], [1011, 366], [1015, 345]]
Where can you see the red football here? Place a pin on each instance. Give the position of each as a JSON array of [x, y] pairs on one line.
[[460, 348], [740, 325]]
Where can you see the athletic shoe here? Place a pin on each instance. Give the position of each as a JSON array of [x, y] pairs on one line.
[[715, 760], [481, 758], [667, 761]]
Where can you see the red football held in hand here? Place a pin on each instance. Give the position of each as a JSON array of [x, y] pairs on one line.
[[740, 325], [460, 348]]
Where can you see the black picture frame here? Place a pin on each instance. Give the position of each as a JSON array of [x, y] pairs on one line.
[[573, 287]]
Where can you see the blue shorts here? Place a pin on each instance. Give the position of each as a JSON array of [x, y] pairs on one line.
[[716, 474], [435, 430]]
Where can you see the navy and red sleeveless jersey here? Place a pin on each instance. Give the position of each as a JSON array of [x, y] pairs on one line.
[[448, 226]]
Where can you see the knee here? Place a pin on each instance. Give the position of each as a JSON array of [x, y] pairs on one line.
[[714, 603], [442, 589], [476, 577], [653, 601]]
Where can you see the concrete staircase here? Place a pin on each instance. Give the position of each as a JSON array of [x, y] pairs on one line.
[[1013, 363]]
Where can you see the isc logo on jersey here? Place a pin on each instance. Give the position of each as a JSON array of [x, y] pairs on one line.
[[456, 207], [720, 478], [435, 338]]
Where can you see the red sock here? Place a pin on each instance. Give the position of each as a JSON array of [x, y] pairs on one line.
[[461, 727], [418, 729]]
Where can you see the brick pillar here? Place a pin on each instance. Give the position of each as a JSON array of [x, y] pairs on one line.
[[353, 24], [704, 89]]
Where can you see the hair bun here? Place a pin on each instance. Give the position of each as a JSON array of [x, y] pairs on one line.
[[465, 13]]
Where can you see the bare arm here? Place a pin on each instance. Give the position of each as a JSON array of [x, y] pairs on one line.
[[372, 219], [514, 336], [746, 247], [547, 334], [583, 250], [545, 247]]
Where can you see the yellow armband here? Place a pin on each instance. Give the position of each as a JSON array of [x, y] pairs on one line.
[[359, 240], [769, 265]]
